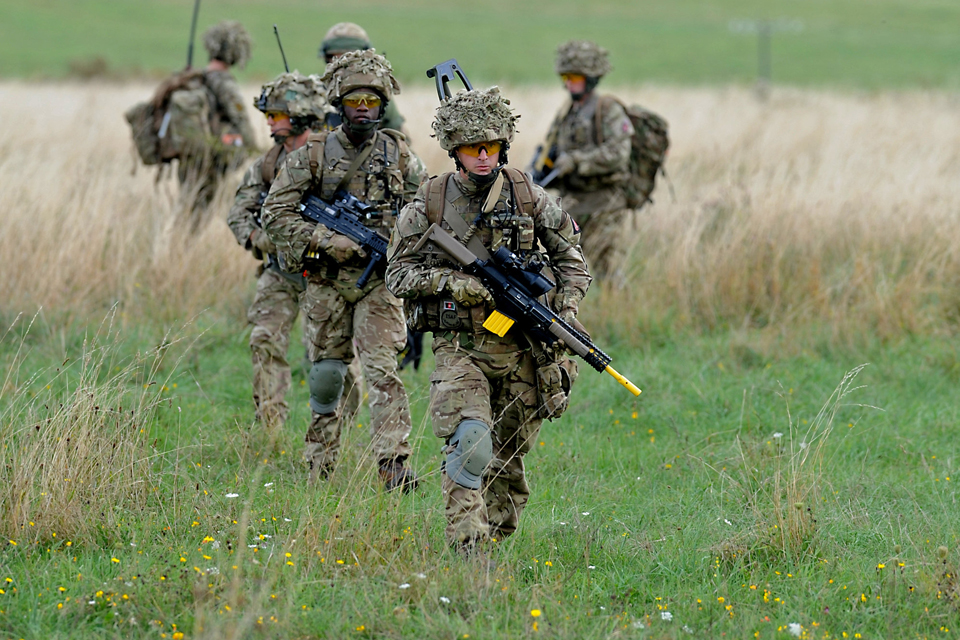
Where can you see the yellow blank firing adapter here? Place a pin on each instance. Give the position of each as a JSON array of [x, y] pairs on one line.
[[632, 388], [498, 323]]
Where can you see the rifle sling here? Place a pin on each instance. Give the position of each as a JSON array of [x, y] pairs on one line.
[[461, 229], [362, 155]]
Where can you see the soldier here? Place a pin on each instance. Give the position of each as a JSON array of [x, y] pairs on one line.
[[484, 397], [377, 167], [347, 36], [228, 45], [591, 176], [295, 106]]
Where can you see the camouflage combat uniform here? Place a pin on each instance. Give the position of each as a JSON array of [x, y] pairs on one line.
[[275, 303], [480, 376], [337, 312], [593, 192]]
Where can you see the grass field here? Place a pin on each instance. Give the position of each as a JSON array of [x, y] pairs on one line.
[[861, 43], [761, 481]]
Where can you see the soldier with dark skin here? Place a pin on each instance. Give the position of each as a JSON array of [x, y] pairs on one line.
[[378, 168], [347, 36], [295, 107], [486, 402], [591, 176], [228, 45]]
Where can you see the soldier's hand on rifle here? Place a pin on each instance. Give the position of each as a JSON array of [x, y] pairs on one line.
[[261, 241], [341, 248], [564, 164], [468, 290]]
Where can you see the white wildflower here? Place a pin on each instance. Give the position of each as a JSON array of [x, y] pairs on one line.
[[233, 495], [666, 615], [795, 629], [777, 435], [405, 585], [444, 599]]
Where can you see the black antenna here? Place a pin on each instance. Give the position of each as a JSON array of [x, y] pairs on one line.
[[193, 33], [276, 32], [445, 72]]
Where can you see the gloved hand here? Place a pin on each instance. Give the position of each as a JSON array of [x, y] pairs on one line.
[[567, 307], [261, 241], [341, 248], [564, 164], [468, 290]]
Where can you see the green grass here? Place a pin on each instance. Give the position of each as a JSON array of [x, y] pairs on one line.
[[860, 43], [683, 501]]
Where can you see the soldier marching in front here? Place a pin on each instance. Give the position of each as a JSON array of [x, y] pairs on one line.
[[295, 107], [590, 144], [379, 168], [485, 400]]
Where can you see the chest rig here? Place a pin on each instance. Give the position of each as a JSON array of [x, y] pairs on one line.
[[506, 221], [374, 173], [577, 129]]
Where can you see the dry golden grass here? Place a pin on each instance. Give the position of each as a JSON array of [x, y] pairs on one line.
[[814, 206]]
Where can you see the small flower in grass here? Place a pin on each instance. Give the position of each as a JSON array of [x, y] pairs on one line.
[[794, 629], [233, 495], [114, 560], [405, 585], [881, 567], [444, 599], [777, 435], [535, 613], [666, 615]]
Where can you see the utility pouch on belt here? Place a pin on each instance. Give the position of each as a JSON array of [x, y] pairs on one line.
[[554, 380], [444, 314]]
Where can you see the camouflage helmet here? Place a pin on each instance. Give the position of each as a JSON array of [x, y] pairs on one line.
[[358, 69], [296, 95], [583, 56], [343, 37], [228, 42], [480, 115]]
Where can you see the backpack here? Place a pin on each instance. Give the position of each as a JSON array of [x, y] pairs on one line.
[[176, 122], [648, 149]]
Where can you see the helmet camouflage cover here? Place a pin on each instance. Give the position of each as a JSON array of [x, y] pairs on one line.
[[583, 56], [296, 95], [480, 115], [229, 42], [358, 69], [342, 37]]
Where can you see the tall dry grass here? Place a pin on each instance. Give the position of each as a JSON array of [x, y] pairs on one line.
[[814, 206]]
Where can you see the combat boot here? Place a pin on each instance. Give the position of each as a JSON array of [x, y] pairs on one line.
[[318, 472], [396, 476]]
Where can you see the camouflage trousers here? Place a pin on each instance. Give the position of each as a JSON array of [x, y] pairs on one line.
[[272, 314], [498, 386], [607, 231], [339, 319]]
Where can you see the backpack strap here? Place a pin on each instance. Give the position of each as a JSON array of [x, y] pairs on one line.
[[268, 170], [315, 144], [522, 189], [402, 147], [436, 190]]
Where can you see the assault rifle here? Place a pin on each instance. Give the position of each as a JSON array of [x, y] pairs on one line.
[[515, 289], [344, 215], [541, 166], [193, 34]]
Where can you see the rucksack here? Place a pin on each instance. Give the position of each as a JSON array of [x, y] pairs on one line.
[[176, 122], [648, 149]]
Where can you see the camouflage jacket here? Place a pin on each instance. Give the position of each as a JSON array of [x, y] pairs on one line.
[[245, 213], [387, 179], [549, 232], [597, 166], [227, 106]]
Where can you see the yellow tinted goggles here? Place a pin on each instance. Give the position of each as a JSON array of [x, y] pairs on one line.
[[276, 115], [354, 100], [572, 77], [474, 150]]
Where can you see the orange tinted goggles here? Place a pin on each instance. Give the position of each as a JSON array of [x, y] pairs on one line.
[[276, 115], [354, 100], [572, 77], [474, 150]]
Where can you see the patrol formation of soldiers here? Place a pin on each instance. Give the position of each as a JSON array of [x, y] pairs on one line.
[[342, 132]]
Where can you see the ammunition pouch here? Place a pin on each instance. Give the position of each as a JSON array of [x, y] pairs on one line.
[[441, 314], [554, 381]]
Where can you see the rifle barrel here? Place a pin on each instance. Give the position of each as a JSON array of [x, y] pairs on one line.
[[193, 33]]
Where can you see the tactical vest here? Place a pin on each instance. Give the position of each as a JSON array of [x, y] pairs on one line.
[[375, 175], [584, 130], [510, 223]]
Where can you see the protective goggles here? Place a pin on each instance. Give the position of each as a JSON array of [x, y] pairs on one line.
[[473, 150], [572, 77], [354, 100], [276, 115]]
